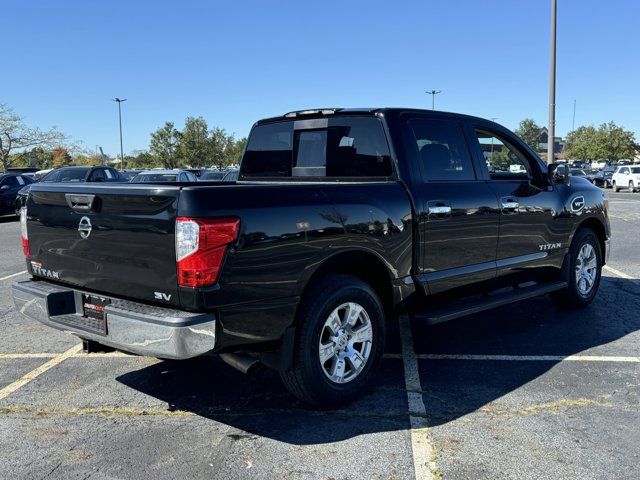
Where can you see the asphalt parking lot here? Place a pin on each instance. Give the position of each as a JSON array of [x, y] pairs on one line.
[[525, 391]]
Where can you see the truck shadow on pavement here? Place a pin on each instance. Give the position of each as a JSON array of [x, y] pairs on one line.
[[260, 405]]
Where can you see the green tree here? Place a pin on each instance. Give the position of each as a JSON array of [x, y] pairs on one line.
[[143, 160], [165, 145], [530, 132], [607, 142], [195, 144], [16, 136], [236, 150]]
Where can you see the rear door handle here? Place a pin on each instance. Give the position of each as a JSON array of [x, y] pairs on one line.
[[438, 210], [509, 205]]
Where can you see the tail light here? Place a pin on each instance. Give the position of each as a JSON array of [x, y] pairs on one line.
[[200, 248], [23, 232]]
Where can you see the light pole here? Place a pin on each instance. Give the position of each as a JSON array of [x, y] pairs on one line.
[[552, 88], [433, 94], [119, 101]]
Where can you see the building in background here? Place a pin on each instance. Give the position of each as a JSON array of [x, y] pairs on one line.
[[543, 144]]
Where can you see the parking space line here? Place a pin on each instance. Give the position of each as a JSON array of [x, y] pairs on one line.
[[21, 382], [617, 273], [521, 358], [421, 446], [11, 356], [13, 275]]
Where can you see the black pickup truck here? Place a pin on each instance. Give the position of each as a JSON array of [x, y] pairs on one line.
[[340, 220]]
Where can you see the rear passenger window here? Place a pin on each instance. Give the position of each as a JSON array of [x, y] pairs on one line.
[[443, 150], [347, 147]]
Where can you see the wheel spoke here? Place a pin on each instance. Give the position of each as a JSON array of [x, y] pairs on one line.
[[326, 352], [362, 334], [337, 370], [352, 314], [334, 323], [356, 360]]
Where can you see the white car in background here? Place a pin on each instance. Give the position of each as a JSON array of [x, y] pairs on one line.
[[626, 176]]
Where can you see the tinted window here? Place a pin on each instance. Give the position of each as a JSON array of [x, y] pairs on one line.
[[156, 177], [11, 181], [504, 161], [357, 147], [443, 150], [98, 175], [310, 153], [268, 152], [72, 174], [635, 170], [51, 177], [347, 147]]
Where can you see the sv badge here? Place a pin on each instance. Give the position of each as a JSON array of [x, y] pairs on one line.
[[162, 296]]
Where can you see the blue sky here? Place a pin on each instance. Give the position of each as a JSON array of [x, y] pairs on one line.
[[235, 62]]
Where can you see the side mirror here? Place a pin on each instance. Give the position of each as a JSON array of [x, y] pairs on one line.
[[559, 173], [4, 187]]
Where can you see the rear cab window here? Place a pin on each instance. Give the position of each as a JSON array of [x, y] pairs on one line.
[[322, 148]]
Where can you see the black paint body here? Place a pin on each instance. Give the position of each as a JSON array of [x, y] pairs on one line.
[[290, 230]]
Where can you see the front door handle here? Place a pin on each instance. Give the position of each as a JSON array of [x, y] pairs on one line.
[[509, 205], [438, 210]]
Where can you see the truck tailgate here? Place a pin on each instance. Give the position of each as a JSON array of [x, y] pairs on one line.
[[114, 239]]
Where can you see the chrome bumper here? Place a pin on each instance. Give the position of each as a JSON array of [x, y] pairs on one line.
[[131, 326]]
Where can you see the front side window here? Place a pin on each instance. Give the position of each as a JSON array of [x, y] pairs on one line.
[[345, 147], [98, 176], [442, 150], [503, 160]]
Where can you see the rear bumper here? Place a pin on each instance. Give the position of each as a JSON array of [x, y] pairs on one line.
[[131, 326]]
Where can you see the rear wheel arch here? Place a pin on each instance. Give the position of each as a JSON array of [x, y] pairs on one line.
[[362, 264]]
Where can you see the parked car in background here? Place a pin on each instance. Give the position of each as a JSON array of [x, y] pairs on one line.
[[586, 174], [196, 171], [603, 177], [212, 175], [10, 185], [163, 176], [21, 170], [72, 175], [626, 177], [231, 176], [41, 173], [130, 174]]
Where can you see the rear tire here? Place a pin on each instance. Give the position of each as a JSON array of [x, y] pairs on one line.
[[584, 270], [324, 332], [615, 188], [631, 189]]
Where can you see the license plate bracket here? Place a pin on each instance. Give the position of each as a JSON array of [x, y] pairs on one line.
[[94, 313]]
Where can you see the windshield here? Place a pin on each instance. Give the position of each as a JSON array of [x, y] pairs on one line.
[[156, 177], [212, 176], [68, 175]]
